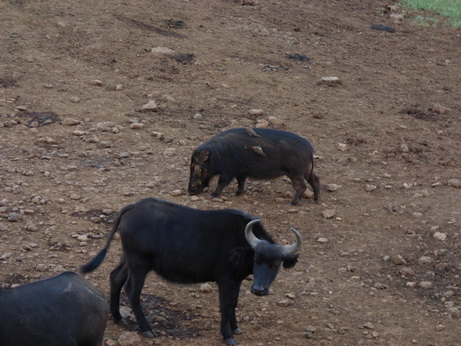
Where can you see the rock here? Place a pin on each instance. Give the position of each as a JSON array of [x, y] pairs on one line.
[[70, 122], [285, 302], [341, 146], [405, 271], [330, 81], [439, 327], [205, 288], [322, 240], [439, 236], [96, 82], [197, 116], [14, 217], [150, 106], [119, 87], [455, 183], [74, 99], [370, 187], [425, 260], [176, 193], [425, 284], [399, 260], [169, 152], [162, 51], [368, 325], [275, 122], [437, 108], [137, 126], [328, 213], [256, 111], [332, 187]]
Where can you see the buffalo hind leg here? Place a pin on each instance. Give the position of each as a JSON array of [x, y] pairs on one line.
[[228, 298], [134, 284], [117, 279], [299, 185]]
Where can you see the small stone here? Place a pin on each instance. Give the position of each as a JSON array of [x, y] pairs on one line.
[[285, 303], [162, 51], [439, 236], [425, 284], [70, 122], [328, 213], [169, 152], [256, 111], [425, 260], [74, 99], [96, 82], [197, 116], [176, 193], [150, 106], [158, 135], [437, 108], [330, 81], [368, 325], [341, 146], [275, 122], [137, 126], [119, 87], [14, 217], [398, 260], [370, 187], [322, 240], [455, 183], [439, 327], [205, 288], [332, 187], [405, 271], [410, 284]]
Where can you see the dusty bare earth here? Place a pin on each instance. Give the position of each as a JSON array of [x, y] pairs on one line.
[[381, 261]]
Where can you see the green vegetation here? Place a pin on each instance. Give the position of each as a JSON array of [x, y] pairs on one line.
[[451, 9]]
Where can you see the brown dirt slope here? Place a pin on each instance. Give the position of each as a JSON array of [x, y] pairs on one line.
[[381, 259]]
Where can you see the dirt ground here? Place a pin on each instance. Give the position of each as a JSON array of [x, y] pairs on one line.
[[381, 259]]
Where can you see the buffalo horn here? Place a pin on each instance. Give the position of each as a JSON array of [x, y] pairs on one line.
[[251, 238], [293, 248]]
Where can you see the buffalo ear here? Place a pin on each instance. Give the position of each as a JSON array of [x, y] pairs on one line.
[[290, 261]]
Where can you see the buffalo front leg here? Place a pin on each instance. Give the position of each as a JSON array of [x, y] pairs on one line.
[[133, 289], [228, 298]]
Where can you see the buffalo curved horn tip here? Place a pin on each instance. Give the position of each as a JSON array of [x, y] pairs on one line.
[[258, 150], [252, 132], [292, 249], [250, 237]]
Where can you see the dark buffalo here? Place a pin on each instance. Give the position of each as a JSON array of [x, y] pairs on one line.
[[185, 245], [255, 153], [62, 310]]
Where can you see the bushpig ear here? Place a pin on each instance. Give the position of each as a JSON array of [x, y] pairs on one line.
[[203, 156], [290, 261]]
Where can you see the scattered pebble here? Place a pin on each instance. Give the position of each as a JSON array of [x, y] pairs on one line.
[[150, 106], [329, 213]]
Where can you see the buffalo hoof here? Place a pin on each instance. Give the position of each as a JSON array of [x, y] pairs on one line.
[[122, 323], [237, 331], [230, 341], [149, 334]]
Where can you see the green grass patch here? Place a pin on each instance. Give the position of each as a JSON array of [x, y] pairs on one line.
[[451, 9]]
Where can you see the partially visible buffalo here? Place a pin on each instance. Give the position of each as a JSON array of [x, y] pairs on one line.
[[255, 153], [185, 245], [62, 310]]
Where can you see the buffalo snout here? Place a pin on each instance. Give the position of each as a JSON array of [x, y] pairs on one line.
[[259, 290]]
